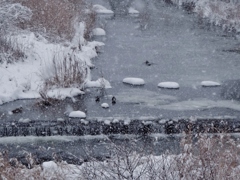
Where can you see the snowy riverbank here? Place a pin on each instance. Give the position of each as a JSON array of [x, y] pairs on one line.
[[221, 13]]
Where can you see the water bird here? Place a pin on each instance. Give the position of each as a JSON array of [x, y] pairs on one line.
[[114, 100], [147, 63], [17, 110], [97, 99]]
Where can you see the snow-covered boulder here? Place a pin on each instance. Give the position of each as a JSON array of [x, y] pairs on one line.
[[49, 168], [99, 32], [100, 83], [101, 9], [131, 10], [105, 105], [169, 85], [77, 114], [134, 81], [210, 84]]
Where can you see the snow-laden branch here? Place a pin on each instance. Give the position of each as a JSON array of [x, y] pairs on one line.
[[11, 14]]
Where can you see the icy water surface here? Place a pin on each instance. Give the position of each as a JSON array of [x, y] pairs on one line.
[[181, 49]]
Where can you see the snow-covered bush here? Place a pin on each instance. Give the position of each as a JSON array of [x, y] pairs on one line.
[[208, 157], [10, 50], [12, 14], [224, 13]]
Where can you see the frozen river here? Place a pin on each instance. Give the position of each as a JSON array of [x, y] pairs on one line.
[[181, 49]]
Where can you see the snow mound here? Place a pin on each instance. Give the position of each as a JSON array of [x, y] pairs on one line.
[[22, 120], [77, 114], [100, 83], [63, 93], [210, 84], [169, 85], [131, 10], [105, 105], [101, 9], [50, 165], [134, 81], [99, 32]]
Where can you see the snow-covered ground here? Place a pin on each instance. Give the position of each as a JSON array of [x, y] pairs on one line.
[[24, 80]]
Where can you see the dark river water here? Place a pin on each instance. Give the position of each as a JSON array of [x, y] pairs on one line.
[[181, 47]]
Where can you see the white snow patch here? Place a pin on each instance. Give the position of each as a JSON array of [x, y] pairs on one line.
[[77, 114], [107, 122], [168, 85], [63, 93], [101, 9], [99, 32], [210, 84], [100, 83], [127, 121], [22, 120], [60, 119], [49, 167], [134, 81], [131, 10], [105, 105], [84, 121], [115, 120]]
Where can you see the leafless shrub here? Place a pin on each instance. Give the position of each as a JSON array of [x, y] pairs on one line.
[[10, 50], [125, 163], [210, 157], [65, 71], [57, 17], [52, 17]]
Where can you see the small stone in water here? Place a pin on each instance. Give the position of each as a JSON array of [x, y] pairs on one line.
[[105, 105]]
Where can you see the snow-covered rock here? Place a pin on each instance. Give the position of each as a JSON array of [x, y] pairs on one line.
[[101, 9], [99, 32], [134, 81], [210, 84], [62, 93], [49, 168], [77, 114], [100, 83], [105, 105], [131, 10], [169, 85]]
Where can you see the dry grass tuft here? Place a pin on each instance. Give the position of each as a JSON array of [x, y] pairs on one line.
[[57, 17], [10, 50], [66, 71]]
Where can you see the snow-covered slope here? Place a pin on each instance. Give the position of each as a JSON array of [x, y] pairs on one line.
[[23, 80]]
